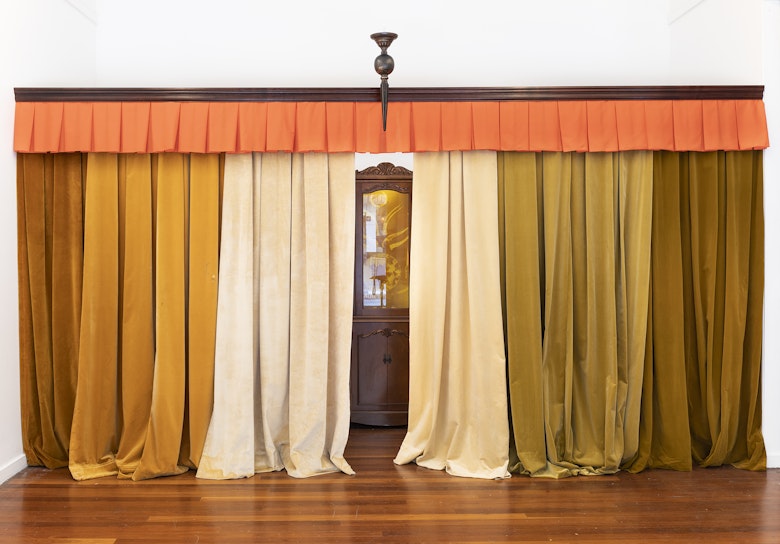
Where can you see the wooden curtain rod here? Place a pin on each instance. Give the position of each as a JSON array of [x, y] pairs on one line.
[[397, 94]]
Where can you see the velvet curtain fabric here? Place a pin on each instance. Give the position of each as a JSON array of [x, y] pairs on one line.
[[284, 325], [132, 366], [457, 376], [116, 368], [161, 332], [633, 288]]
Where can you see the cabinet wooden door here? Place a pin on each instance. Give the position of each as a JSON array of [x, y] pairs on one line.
[[380, 373], [379, 377]]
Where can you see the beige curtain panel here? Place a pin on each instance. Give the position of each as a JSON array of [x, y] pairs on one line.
[[633, 288], [284, 325], [457, 376]]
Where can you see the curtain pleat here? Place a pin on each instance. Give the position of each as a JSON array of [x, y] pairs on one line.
[[137, 303], [95, 432], [203, 271], [281, 394], [164, 431], [457, 396], [663, 421], [632, 288]]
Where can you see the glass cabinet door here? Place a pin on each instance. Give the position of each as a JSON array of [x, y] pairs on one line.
[[382, 252], [385, 258]]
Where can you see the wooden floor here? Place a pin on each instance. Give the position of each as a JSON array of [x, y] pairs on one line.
[[387, 503]]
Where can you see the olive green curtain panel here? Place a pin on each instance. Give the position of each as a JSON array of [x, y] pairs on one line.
[[633, 289]]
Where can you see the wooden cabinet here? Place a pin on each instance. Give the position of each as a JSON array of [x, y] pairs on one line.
[[379, 377]]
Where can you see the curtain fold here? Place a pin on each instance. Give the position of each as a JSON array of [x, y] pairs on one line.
[[284, 324], [632, 288], [457, 396]]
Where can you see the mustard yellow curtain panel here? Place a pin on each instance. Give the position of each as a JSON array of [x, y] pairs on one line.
[[633, 292]]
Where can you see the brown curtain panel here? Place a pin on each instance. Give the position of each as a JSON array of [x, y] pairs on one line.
[[633, 289], [118, 260]]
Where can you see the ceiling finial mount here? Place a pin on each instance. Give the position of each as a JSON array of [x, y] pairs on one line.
[[384, 65]]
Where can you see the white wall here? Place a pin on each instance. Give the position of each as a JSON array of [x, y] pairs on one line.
[[42, 43], [716, 42], [771, 362], [309, 43], [441, 42]]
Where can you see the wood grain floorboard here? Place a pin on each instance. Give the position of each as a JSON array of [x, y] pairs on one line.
[[388, 503]]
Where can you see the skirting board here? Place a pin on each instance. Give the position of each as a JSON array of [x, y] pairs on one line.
[[12, 468], [772, 460]]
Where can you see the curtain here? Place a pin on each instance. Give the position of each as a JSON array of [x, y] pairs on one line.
[[116, 350], [457, 396], [707, 309], [633, 288], [281, 392]]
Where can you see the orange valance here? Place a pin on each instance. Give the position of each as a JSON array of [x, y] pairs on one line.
[[238, 127]]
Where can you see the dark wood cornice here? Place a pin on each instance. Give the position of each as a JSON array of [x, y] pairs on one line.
[[399, 94]]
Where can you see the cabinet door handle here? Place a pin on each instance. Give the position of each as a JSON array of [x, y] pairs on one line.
[[387, 359]]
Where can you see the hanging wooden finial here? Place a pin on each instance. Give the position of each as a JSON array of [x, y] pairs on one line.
[[384, 65]]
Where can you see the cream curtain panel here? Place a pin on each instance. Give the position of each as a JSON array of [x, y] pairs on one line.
[[284, 324], [457, 376], [633, 287]]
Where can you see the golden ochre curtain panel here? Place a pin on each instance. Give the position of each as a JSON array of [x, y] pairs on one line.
[[633, 292]]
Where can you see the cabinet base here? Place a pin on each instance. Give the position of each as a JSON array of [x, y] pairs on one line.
[[381, 419]]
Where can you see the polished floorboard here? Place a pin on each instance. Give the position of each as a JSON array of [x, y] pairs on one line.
[[389, 503]]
